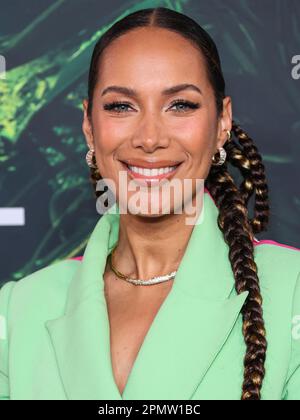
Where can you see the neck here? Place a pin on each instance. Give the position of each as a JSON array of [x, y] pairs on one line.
[[151, 246]]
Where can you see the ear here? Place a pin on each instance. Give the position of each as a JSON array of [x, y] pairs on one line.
[[225, 122], [87, 126]]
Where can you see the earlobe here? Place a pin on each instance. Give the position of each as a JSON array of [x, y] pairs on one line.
[[222, 136]]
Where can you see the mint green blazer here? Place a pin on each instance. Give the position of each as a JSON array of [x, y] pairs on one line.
[[54, 326]]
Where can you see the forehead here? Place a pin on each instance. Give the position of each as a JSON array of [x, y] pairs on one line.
[[150, 58]]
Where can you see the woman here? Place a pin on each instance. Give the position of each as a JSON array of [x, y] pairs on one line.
[[213, 313]]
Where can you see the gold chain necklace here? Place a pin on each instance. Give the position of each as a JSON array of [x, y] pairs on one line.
[[153, 280]]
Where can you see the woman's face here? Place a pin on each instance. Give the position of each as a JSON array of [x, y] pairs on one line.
[[148, 126]]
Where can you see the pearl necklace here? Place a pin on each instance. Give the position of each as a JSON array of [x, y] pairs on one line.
[[153, 280]]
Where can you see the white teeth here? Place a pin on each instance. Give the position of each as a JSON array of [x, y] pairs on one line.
[[151, 172]]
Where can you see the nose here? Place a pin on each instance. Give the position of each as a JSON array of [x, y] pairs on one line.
[[150, 134]]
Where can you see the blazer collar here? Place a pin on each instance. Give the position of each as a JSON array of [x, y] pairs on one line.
[[201, 307]]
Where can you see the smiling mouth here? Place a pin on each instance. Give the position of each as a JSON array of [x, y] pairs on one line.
[[151, 175]]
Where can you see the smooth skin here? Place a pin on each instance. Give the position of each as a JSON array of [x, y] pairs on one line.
[[150, 125]]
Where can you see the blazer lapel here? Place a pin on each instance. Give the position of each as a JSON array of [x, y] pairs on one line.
[[80, 338], [188, 332], [180, 347]]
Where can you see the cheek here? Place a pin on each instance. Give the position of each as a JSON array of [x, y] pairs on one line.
[[107, 135], [197, 136]]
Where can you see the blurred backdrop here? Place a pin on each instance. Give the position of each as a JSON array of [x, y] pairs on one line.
[[46, 47]]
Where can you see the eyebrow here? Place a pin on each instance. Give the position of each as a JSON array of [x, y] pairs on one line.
[[168, 91]]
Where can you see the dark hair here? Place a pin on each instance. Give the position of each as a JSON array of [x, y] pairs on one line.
[[237, 226]]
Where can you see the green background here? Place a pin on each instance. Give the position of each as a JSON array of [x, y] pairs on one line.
[[47, 46]]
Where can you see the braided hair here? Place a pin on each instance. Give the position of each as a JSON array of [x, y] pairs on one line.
[[237, 226], [238, 230]]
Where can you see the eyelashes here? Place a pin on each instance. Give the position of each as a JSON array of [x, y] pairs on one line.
[[115, 105], [118, 106]]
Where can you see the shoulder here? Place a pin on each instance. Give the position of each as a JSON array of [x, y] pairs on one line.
[[278, 267], [280, 261], [45, 290], [269, 248]]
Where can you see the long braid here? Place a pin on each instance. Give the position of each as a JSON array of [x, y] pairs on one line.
[[234, 222], [251, 166]]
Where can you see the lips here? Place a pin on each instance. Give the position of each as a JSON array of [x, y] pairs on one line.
[[151, 164], [151, 179]]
